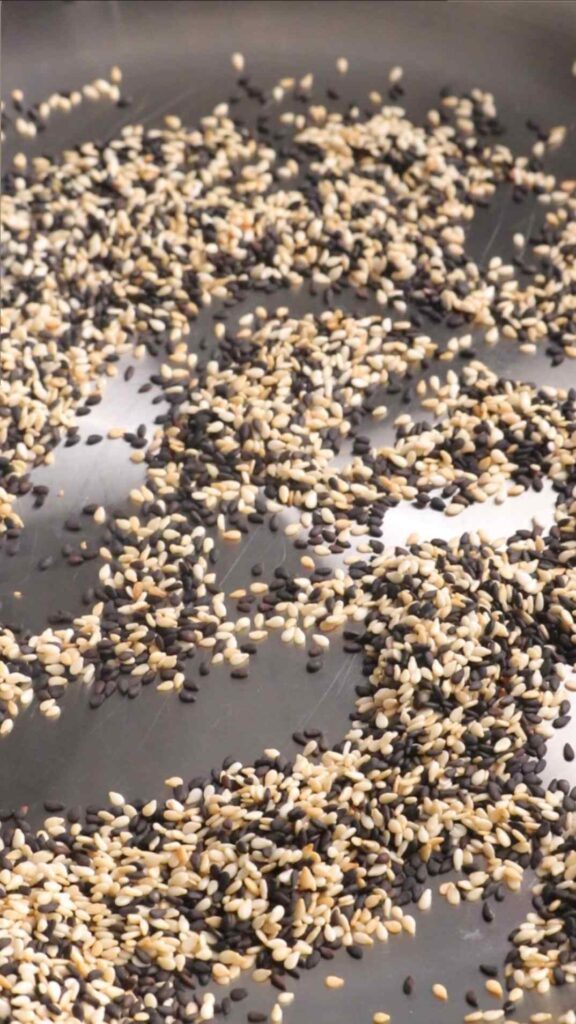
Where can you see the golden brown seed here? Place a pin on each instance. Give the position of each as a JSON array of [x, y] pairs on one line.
[[440, 992]]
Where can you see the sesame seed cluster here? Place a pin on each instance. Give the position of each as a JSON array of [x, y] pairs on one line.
[[147, 910], [115, 242], [225, 460]]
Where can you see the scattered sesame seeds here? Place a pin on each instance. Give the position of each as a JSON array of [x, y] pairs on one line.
[[33, 119], [464, 643]]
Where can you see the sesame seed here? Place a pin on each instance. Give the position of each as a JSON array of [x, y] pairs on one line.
[[439, 992], [494, 988]]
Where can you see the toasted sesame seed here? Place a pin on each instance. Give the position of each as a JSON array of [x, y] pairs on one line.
[[440, 992], [494, 988], [425, 901]]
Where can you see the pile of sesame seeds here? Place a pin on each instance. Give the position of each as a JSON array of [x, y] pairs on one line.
[[132, 912], [253, 434], [126, 240]]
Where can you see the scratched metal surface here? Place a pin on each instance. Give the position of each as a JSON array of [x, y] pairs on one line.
[[175, 57]]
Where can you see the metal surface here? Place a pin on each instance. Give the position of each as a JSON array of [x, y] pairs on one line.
[[175, 57]]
